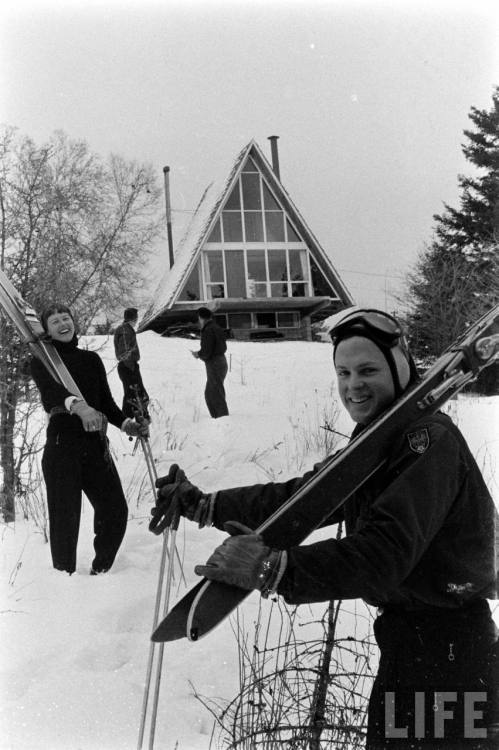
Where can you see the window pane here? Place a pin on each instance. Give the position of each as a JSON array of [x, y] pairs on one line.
[[249, 165], [320, 285], [234, 268], [279, 290], [297, 265], [277, 265], [274, 224], [286, 320], [216, 235], [215, 291], [220, 320], [233, 202], [269, 201], [256, 265], [260, 290], [251, 191], [214, 265], [239, 320], [233, 231], [192, 289], [265, 320], [292, 236], [253, 226], [298, 290]]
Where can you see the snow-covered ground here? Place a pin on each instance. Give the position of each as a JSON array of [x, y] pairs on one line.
[[73, 650]]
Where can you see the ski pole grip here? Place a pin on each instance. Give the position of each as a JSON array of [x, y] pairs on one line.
[[175, 521]]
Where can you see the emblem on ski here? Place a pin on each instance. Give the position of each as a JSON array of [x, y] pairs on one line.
[[209, 602]]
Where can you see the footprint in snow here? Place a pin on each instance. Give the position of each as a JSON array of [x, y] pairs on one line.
[[106, 656], [130, 618]]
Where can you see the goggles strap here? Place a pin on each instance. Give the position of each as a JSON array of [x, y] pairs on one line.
[[393, 369]]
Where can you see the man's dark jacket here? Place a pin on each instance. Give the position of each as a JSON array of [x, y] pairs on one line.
[[213, 343], [420, 531], [125, 345]]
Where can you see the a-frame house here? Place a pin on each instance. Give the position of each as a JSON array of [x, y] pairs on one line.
[[250, 257]]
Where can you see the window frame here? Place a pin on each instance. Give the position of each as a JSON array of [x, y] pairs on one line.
[[265, 245]]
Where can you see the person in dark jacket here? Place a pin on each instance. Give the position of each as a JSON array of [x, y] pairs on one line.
[[212, 352], [419, 546], [135, 396], [76, 457]]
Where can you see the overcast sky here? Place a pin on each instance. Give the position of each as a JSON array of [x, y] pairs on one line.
[[369, 99]]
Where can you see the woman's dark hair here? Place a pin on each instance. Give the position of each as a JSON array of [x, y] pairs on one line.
[[55, 307]]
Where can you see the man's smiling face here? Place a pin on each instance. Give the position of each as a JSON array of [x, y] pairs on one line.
[[365, 382]]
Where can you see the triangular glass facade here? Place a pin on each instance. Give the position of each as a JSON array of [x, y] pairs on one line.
[[254, 249]]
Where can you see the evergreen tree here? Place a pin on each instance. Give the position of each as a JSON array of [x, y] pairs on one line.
[[455, 279]]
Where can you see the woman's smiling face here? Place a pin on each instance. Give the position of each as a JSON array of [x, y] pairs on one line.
[[365, 381], [60, 326]]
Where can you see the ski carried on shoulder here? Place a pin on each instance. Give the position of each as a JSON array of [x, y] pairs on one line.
[[209, 602], [25, 319]]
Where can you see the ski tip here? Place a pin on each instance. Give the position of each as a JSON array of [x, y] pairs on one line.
[[175, 625], [168, 631], [163, 634]]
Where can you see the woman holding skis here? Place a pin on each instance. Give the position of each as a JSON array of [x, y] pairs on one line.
[[76, 456]]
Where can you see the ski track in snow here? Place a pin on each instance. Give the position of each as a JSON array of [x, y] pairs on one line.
[[73, 650]]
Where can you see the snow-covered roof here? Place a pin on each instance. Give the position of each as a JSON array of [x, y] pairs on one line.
[[187, 252]]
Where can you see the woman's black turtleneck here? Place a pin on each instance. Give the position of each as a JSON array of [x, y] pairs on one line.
[[87, 370]]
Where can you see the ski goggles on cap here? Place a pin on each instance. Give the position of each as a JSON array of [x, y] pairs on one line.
[[374, 324]]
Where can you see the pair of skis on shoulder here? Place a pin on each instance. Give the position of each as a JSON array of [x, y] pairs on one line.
[[209, 602]]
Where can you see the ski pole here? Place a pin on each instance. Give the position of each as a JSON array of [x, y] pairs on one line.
[[169, 535], [151, 466], [153, 475], [159, 663], [164, 551]]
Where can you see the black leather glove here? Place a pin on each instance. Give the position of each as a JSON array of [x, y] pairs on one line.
[[245, 560], [178, 497]]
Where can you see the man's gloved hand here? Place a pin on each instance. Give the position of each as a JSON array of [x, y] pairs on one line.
[[138, 427], [91, 419], [245, 560], [178, 497]]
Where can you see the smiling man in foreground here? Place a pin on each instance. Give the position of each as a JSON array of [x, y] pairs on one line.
[[419, 546]]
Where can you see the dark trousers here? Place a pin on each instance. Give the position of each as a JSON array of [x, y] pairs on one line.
[[72, 463], [436, 668], [214, 393], [135, 397]]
